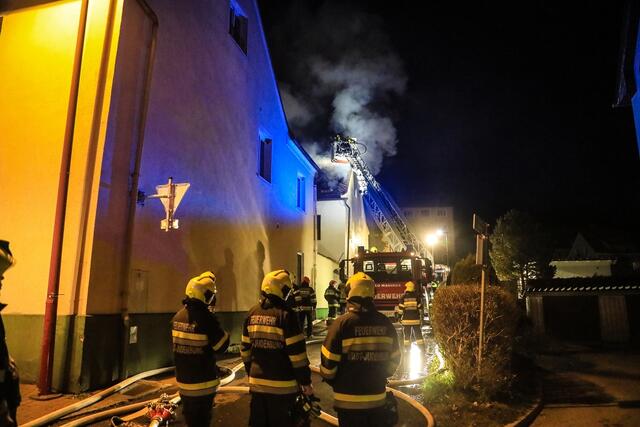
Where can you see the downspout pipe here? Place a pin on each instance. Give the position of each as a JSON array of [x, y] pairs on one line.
[[344, 200], [133, 192], [55, 263]]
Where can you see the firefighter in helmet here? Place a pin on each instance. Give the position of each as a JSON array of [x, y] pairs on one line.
[[305, 303], [275, 356], [9, 382], [410, 309], [332, 295], [360, 352], [197, 335]]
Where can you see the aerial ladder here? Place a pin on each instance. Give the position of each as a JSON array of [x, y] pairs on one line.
[[385, 212]]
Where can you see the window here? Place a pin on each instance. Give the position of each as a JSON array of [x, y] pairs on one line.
[[264, 168], [318, 227], [408, 213], [425, 212], [301, 193], [442, 212], [238, 25]]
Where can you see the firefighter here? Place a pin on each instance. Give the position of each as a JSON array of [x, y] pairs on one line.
[[360, 352], [305, 303], [9, 381], [197, 335], [342, 288], [332, 295], [275, 356], [410, 309]]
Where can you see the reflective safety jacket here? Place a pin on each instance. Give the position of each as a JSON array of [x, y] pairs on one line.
[[343, 293], [305, 298], [197, 335], [360, 352], [332, 295], [273, 349], [410, 308]]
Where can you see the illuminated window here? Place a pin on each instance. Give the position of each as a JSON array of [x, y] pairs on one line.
[[442, 212], [264, 168], [301, 193], [238, 25]]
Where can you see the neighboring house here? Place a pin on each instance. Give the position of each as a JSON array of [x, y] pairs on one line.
[[427, 220], [595, 294], [590, 256], [342, 227], [165, 88]]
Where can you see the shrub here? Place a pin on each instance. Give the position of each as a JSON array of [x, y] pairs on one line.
[[455, 319], [437, 385]]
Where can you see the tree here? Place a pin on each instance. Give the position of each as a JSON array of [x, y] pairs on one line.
[[467, 272], [520, 249]]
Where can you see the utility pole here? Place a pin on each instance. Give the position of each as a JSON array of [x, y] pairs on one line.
[[482, 230]]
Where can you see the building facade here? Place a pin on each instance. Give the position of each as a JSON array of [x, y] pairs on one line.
[[342, 227], [164, 89]]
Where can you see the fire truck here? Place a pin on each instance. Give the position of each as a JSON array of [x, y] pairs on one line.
[[390, 271], [405, 257]]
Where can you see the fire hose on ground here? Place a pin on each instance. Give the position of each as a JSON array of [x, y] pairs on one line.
[[146, 407], [55, 415], [141, 408]]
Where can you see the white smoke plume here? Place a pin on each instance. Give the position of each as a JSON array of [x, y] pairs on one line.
[[344, 74]]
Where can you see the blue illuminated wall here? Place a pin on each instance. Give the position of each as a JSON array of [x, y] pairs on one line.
[[209, 103]]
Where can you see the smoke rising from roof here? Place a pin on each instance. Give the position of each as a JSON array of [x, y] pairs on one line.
[[344, 78]]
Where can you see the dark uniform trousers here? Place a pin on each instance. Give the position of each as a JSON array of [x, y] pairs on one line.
[[374, 417], [271, 410], [306, 314], [197, 411]]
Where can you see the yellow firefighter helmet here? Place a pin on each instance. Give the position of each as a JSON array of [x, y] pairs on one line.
[[202, 287], [410, 286], [274, 282], [361, 285]]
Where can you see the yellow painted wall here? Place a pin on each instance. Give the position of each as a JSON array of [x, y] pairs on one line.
[[37, 47], [36, 58]]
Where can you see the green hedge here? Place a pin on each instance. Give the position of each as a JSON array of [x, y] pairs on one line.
[[455, 317]]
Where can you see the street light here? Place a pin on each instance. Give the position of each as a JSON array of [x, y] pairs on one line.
[[432, 239], [440, 232]]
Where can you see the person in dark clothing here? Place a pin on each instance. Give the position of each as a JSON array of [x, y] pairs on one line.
[[305, 303], [197, 335], [360, 352], [342, 288], [9, 381], [410, 308], [275, 356], [332, 295]]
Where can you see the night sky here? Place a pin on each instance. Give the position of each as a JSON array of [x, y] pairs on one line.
[[506, 105]]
